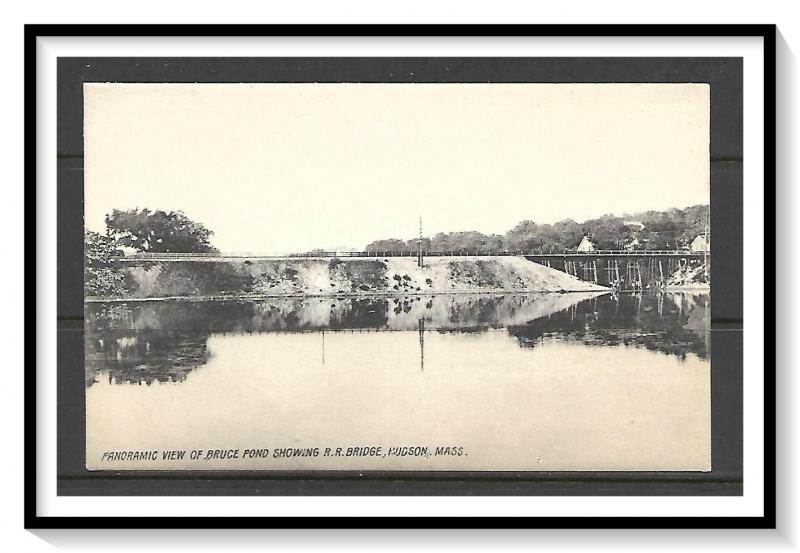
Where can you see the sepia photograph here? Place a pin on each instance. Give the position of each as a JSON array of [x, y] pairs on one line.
[[397, 276]]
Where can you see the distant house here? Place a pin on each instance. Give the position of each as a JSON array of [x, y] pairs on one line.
[[585, 245], [700, 244]]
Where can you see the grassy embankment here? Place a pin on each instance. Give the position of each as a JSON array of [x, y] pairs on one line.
[[345, 276]]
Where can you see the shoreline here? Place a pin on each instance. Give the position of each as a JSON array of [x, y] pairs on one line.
[[688, 288], [93, 299], [252, 297]]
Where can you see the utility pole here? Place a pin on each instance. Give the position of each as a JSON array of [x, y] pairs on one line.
[[707, 248], [419, 244]]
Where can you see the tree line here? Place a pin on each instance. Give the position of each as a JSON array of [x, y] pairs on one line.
[[650, 230], [141, 230]]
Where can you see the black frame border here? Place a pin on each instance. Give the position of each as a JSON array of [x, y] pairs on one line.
[[33, 520], [724, 75]]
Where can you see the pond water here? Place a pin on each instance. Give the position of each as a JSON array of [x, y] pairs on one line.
[[511, 382]]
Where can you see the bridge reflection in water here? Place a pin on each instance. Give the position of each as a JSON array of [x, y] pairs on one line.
[[164, 341]]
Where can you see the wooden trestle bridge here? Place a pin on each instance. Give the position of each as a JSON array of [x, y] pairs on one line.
[[628, 269]]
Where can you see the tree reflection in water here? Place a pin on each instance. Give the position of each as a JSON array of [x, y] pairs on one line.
[[673, 323], [163, 341], [134, 346]]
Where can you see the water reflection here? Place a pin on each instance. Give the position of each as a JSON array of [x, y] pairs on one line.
[[146, 342], [675, 324]]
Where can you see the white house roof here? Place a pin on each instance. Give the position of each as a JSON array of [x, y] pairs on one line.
[[585, 244]]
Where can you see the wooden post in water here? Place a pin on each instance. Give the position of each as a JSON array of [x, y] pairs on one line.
[[421, 323], [638, 272], [639, 275]]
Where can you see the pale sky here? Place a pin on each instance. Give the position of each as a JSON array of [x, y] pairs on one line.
[[279, 168]]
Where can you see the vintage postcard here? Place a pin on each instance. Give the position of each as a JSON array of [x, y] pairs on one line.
[[342, 276]]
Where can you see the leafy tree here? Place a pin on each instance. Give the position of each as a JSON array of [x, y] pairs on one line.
[[100, 275], [440, 242], [394, 245], [412, 245], [566, 234], [669, 229], [607, 232], [158, 231], [523, 238]]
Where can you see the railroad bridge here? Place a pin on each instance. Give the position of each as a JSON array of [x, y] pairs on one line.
[[629, 269]]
